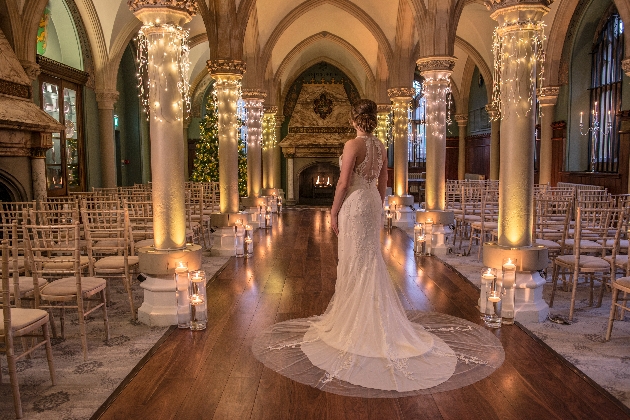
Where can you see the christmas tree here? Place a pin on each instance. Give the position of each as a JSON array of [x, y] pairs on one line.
[[206, 167]]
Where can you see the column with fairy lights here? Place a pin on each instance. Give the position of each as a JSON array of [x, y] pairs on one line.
[[547, 98], [268, 145], [276, 173], [462, 123], [518, 54], [254, 104], [227, 75], [163, 82], [384, 121], [436, 88], [495, 125]]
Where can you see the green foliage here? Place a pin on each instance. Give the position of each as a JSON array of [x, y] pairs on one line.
[[206, 167]]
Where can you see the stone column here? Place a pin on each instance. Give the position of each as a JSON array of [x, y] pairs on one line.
[[436, 72], [383, 118], [161, 43], [290, 185], [495, 125], [400, 98], [462, 123], [269, 142], [254, 104], [185, 126], [106, 100], [227, 75], [38, 172], [547, 98], [518, 26], [276, 173]]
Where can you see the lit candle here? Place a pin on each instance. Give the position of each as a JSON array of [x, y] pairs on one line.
[[196, 300], [581, 117], [494, 297], [487, 276], [509, 274]]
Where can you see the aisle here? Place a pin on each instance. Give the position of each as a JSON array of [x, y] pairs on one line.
[[213, 374]]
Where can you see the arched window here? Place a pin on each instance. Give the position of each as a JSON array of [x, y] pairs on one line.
[[606, 78]]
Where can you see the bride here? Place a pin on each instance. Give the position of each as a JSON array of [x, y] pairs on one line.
[[365, 344]]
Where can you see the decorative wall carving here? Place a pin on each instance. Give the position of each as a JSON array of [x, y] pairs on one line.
[[220, 66], [15, 89], [436, 63], [401, 92], [321, 130], [494, 5], [323, 106], [57, 69], [269, 109], [188, 6]]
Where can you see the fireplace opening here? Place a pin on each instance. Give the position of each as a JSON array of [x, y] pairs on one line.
[[318, 183]]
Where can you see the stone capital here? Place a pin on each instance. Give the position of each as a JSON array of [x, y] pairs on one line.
[[492, 111], [256, 94], [106, 99], [625, 65], [38, 152], [383, 108], [31, 69], [270, 109], [188, 6], [279, 119], [548, 95], [401, 94], [461, 119], [494, 5], [436, 63], [226, 67]]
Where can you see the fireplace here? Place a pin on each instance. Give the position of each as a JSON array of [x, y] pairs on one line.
[[317, 183]]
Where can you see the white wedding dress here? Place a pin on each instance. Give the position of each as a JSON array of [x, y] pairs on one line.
[[365, 344]]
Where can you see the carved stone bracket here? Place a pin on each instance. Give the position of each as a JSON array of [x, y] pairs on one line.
[[106, 99], [494, 5], [235, 67], [436, 63], [253, 94], [383, 108], [188, 6], [403, 93], [32, 69]]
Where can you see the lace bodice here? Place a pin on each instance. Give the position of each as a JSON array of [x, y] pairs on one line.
[[370, 168]]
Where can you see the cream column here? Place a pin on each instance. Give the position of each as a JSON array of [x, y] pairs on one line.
[[254, 104], [227, 75], [462, 123], [105, 102], [161, 42], [547, 98], [495, 126], [436, 72], [400, 98], [383, 118], [269, 141], [290, 184], [276, 173], [518, 35], [38, 171]]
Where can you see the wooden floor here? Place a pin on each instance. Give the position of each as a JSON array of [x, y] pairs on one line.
[[213, 374]]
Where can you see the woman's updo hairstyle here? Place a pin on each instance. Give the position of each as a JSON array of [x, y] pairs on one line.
[[364, 115]]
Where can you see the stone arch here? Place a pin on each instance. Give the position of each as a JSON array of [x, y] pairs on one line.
[[325, 35], [344, 5], [12, 186]]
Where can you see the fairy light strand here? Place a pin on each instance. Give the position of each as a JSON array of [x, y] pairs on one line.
[[437, 93], [518, 49], [163, 47]]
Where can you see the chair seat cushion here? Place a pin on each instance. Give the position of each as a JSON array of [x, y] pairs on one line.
[[549, 244], [623, 243], [25, 285], [64, 263], [584, 243], [67, 286], [586, 261], [623, 282], [22, 317], [144, 242], [486, 225], [115, 261], [620, 260]]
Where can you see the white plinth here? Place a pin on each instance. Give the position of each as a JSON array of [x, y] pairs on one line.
[[224, 243], [529, 305], [439, 245], [159, 308], [407, 218]]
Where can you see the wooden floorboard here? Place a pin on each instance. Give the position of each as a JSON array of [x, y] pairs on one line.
[[213, 373]]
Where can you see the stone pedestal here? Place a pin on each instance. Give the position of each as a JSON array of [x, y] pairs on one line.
[[159, 306], [441, 228], [403, 205]]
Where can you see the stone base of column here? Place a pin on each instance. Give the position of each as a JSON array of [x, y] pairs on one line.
[[225, 240], [399, 200], [249, 201], [529, 305], [252, 218], [159, 307], [406, 218], [269, 191], [442, 220]]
